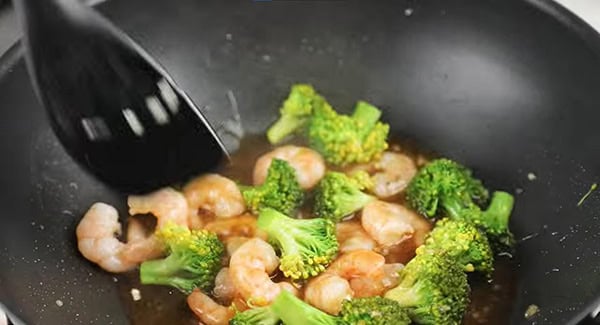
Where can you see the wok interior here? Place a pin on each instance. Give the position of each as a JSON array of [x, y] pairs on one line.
[[500, 86]]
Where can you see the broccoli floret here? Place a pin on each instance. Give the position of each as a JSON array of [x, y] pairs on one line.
[[307, 245], [433, 288], [338, 195], [494, 220], [294, 311], [373, 311], [438, 184], [280, 191], [295, 113], [443, 187], [343, 139], [463, 242], [256, 316], [193, 262]]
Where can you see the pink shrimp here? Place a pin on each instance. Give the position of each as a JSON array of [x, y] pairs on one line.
[[309, 165], [250, 268], [207, 310]]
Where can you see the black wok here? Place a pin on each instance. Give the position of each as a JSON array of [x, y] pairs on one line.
[[509, 87]]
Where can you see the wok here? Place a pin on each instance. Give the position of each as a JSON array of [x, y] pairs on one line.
[[509, 87]]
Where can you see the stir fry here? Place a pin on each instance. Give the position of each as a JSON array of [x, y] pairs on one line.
[[347, 230]]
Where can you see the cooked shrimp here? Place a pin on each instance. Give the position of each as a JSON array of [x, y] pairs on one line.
[[355, 274], [387, 223], [351, 236], [309, 165], [250, 267], [405, 250], [97, 242], [224, 289], [209, 312], [215, 193], [360, 263], [235, 242], [135, 230], [140, 245], [396, 171], [375, 285], [166, 204], [391, 173], [390, 274], [327, 292], [242, 226], [367, 286]]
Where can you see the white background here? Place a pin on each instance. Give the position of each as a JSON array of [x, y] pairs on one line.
[[589, 10]]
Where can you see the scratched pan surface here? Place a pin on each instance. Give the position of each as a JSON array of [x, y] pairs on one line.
[[508, 87]]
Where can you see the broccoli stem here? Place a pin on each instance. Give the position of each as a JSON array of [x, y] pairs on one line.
[[284, 127], [406, 297], [367, 114], [407, 292], [278, 228], [454, 207], [499, 210], [164, 272], [294, 311], [352, 202]]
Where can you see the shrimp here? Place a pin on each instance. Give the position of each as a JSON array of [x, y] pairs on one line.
[[250, 267], [360, 263], [369, 286], [355, 274], [141, 246], [387, 223], [405, 250], [309, 165], [363, 269], [364, 286], [397, 170], [233, 243], [207, 310], [351, 236], [216, 194], [390, 274], [224, 289], [242, 226], [166, 204], [391, 173], [327, 292], [97, 242]]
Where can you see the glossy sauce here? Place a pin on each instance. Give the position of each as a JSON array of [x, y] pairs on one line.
[[490, 302]]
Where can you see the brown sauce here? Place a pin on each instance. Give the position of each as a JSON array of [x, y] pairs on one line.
[[490, 301]]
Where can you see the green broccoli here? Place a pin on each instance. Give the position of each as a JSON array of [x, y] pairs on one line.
[[495, 221], [443, 187], [339, 195], [295, 113], [193, 262], [294, 311], [433, 288], [343, 139], [256, 316], [441, 182], [307, 245], [463, 242], [280, 191], [373, 311]]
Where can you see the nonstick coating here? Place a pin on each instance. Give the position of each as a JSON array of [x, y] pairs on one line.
[[511, 88]]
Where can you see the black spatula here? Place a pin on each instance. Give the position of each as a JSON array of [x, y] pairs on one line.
[[115, 110]]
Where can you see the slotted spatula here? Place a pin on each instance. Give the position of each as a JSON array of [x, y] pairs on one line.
[[115, 110]]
